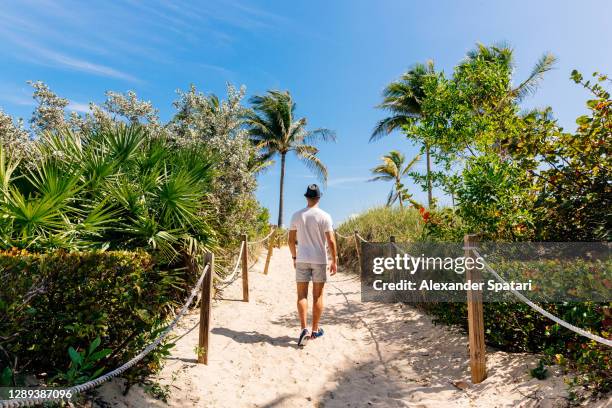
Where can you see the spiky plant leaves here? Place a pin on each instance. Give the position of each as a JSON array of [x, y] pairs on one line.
[[115, 188]]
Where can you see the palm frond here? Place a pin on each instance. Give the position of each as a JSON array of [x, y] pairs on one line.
[[124, 140], [387, 125], [307, 154], [383, 177], [392, 197], [179, 200], [411, 164], [7, 168], [403, 98], [319, 135], [530, 84]]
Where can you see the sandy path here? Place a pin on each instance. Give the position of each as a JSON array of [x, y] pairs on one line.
[[377, 355]]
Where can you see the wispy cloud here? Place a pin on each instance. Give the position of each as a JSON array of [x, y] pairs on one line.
[[17, 99], [47, 56], [60, 37]]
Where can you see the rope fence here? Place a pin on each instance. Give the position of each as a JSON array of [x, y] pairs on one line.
[[538, 309], [204, 283], [228, 279], [343, 236], [77, 389], [362, 239], [475, 305], [263, 239]]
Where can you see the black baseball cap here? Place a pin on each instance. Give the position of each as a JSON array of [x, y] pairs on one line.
[[313, 191]]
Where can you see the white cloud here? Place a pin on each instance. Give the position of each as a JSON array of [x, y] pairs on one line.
[[85, 66], [47, 56], [17, 100]]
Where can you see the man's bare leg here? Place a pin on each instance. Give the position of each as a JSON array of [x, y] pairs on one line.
[[317, 304], [302, 302]]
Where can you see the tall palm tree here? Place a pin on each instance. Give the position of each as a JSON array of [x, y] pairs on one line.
[[403, 98], [274, 130], [393, 169]]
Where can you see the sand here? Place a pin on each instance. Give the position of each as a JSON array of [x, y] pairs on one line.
[[372, 355]]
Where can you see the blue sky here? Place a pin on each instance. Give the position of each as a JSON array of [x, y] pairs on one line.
[[334, 56]]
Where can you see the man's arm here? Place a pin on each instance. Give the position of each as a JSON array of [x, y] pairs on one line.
[[291, 242], [331, 243]]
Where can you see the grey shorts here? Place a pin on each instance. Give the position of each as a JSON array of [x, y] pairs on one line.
[[306, 272]]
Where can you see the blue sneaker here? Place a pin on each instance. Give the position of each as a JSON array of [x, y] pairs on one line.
[[317, 334], [304, 337]]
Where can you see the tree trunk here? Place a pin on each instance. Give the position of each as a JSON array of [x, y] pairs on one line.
[[429, 193], [399, 193], [282, 183]]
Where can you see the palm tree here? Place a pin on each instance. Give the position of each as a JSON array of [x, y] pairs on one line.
[[274, 130], [393, 169], [503, 54], [403, 98]]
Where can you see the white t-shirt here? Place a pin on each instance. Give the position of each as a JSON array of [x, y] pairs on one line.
[[311, 224]]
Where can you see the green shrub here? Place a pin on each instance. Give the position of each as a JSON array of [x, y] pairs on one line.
[[50, 303], [444, 225], [377, 225]]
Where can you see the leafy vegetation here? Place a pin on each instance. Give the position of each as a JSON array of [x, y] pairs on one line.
[[51, 303], [82, 364], [512, 175], [97, 215], [116, 188]]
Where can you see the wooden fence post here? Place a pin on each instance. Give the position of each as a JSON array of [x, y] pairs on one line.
[[205, 308], [357, 248], [245, 269], [270, 250], [476, 333]]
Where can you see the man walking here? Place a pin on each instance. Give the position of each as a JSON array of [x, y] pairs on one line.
[[312, 227]]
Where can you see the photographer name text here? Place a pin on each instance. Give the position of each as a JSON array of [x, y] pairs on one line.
[[429, 285]]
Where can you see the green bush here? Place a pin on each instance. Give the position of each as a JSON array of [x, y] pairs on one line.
[[50, 303], [444, 225]]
